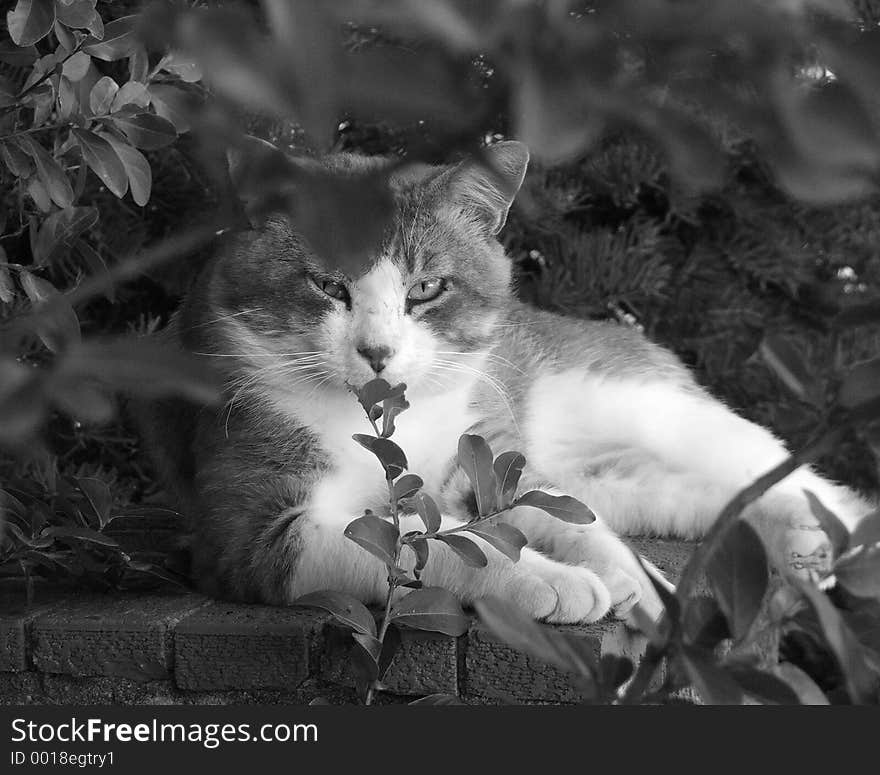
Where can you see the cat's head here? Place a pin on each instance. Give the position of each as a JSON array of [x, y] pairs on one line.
[[419, 310]]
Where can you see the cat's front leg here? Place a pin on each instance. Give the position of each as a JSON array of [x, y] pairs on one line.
[[596, 547], [661, 456]]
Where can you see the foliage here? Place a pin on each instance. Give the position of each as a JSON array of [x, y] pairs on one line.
[[705, 171], [58, 530]]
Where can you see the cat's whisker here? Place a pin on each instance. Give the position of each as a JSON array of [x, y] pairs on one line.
[[304, 353], [227, 317], [517, 325], [486, 378], [266, 373], [490, 355]]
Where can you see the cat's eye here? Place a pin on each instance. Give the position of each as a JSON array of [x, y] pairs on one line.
[[333, 289], [426, 290]]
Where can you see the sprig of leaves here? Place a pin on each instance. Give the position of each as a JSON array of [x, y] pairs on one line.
[[494, 482]]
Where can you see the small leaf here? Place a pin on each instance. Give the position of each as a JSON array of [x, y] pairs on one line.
[[37, 191], [184, 68], [369, 644], [60, 330], [391, 408], [859, 572], [562, 507], [867, 531], [475, 457], [421, 551], [67, 98], [428, 511], [830, 523], [508, 469], [103, 161], [438, 699], [51, 174], [788, 363], [714, 685], [344, 608], [466, 549], [390, 455], [118, 40], [19, 163], [376, 535], [98, 495], [376, 391], [145, 130], [738, 575], [137, 169], [390, 645], [505, 538], [407, 486], [130, 93], [433, 609], [102, 95], [765, 687], [77, 66], [30, 21], [79, 15]]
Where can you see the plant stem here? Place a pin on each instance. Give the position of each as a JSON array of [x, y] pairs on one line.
[[459, 529], [392, 581], [386, 620]]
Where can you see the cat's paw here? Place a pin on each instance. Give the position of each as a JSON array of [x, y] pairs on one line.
[[807, 552], [561, 594], [625, 590], [628, 591]]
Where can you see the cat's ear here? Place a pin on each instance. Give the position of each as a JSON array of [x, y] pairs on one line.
[[488, 187]]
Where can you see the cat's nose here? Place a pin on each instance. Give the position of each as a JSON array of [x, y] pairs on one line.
[[376, 355]]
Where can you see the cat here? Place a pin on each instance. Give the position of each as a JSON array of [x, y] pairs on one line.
[[272, 478]]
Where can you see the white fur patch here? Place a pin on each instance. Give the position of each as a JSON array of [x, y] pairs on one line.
[[651, 457]]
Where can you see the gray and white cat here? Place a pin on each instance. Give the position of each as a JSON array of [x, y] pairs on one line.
[[272, 478]]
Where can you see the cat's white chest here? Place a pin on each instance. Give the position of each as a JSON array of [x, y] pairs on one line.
[[427, 432]]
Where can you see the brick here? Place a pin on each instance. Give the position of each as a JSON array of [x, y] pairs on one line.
[[16, 617], [425, 663], [123, 635], [233, 646], [495, 671]]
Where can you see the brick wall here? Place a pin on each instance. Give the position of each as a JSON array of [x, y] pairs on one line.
[[121, 648]]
